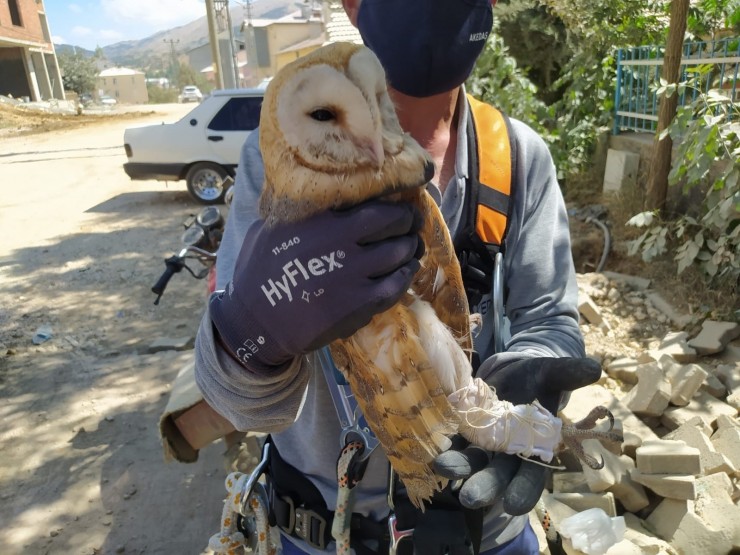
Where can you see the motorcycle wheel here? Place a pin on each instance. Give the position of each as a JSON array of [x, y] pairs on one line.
[[207, 182]]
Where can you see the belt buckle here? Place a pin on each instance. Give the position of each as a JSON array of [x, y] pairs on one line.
[[302, 527]]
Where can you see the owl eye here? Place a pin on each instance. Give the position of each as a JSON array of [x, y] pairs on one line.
[[322, 114]]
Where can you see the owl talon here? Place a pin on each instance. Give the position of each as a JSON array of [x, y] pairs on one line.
[[575, 434], [592, 462]]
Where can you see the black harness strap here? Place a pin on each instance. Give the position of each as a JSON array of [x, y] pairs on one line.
[[298, 508]]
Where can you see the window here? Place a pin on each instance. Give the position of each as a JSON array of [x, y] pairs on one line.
[[115, 81], [15, 13], [238, 114]]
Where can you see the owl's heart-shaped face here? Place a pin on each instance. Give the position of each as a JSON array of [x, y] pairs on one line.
[[330, 137]]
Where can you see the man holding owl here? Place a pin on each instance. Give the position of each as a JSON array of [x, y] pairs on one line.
[[359, 262]]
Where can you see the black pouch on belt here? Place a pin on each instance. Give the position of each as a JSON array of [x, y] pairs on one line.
[[444, 528]]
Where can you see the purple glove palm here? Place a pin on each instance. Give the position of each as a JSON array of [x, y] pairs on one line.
[[299, 286]]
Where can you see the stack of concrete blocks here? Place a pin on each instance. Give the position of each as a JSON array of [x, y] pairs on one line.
[[676, 477]]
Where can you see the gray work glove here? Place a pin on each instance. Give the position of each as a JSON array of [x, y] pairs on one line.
[[489, 476], [299, 286]]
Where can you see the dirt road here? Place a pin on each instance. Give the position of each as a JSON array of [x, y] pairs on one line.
[[82, 470]]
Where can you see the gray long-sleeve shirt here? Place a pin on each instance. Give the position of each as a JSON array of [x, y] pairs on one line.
[[295, 406]]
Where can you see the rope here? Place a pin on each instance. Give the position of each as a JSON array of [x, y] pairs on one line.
[[554, 541], [230, 540], [348, 476], [544, 515]]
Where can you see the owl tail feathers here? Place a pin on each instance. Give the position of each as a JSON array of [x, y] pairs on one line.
[[497, 425], [418, 478]]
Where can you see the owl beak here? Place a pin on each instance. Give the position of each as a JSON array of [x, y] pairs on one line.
[[374, 151]]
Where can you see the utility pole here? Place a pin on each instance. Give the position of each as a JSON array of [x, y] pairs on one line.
[[174, 63], [232, 50], [250, 43], [215, 51]]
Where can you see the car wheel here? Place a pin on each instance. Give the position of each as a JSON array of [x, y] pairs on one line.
[[206, 182]]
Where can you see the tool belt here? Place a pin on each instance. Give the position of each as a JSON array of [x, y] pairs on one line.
[[298, 509]]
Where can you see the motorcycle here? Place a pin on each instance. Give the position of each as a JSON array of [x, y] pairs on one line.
[[188, 423]]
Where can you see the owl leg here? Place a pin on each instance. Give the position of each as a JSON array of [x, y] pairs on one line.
[[497, 425], [573, 435]]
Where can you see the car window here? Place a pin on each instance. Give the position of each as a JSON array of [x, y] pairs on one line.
[[238, 114]]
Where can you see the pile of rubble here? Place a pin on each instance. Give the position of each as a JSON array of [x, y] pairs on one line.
[[676, 477]]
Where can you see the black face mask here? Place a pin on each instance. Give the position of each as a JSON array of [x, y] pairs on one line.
[[426, 47]]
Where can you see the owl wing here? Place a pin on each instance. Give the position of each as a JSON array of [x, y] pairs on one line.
[[404, 363], [399, 392], [439, 281]]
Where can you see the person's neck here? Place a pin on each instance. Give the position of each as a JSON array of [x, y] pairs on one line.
[[432, 121], [429, 118]]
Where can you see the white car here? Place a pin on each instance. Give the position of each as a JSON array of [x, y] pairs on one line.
[[190, 93], [203, 147]]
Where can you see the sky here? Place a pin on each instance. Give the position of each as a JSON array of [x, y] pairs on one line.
[[91, 23]]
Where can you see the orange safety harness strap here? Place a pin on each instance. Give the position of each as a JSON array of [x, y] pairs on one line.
[[493, 152]]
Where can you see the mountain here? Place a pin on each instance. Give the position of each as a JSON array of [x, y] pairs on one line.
[[153, 51], [72, 49]]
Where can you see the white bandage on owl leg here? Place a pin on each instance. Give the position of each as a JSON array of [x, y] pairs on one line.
[[500, 426]]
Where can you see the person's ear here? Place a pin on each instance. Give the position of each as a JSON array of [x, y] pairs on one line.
[[352, 7]]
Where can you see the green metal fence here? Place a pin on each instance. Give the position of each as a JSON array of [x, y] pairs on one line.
[[638, 77]]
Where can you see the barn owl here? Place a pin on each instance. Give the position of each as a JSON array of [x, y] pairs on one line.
[[330, 138]]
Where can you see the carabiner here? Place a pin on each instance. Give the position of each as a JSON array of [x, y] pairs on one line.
[[256, 474]]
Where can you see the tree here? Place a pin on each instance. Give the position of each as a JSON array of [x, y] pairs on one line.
[[657, 186], [186, 75], [78, 72]]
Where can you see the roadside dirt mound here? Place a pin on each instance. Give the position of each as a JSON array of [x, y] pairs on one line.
[[20, 120]]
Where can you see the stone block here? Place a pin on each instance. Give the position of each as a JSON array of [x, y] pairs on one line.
[[582, 501], [727, 441], [729, 375], [696, 535], [621, 170], [695, 433], [714, 386], [569, 482], [676, 344], [731, 354], [714, 336], [615, 477], [715, 486], [724, 421], [702, 405], [589, 309], [685, 379], [665, 456], [667, 516], [715, 509], [673, 486], [666, 308], [623, 369], [637, 534], [652, 393]]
